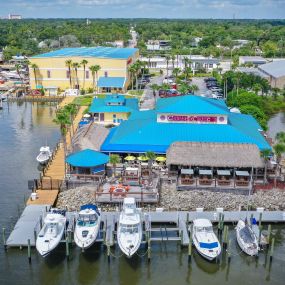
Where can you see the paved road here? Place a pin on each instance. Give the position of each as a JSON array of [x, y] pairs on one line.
[[147, 97], [199, 81]]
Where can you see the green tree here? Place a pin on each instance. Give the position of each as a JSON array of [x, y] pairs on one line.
[[84, 62], [68, 64], [194, 88], [151, 157], [257, 113], [154, 87], [76, 65], [167, 58], [114, 160], [35, 67], [94, 71], [176, 71]]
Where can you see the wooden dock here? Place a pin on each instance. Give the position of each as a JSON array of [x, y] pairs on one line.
[[160, 226], [54, 174]]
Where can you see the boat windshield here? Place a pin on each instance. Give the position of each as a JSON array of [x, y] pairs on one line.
[[87, 220], [209, 245], [131, 229], [204, 229]]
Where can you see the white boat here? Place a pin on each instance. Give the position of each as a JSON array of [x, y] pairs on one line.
[[44, 155], [205, 240], [246, 238], [51, 233], [87, 226], [130, 228]]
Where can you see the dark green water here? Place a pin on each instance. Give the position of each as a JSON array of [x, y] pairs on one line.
[[22, 131]]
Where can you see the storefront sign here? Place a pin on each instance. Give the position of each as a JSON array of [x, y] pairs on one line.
[[198, 119]]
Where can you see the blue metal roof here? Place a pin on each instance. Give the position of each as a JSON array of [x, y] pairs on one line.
[[142, 133], [87, 158], [112, 82], [107, 104], [101, 52], [191, 104]]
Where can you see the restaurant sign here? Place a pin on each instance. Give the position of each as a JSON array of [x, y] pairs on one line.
[[194, 119]]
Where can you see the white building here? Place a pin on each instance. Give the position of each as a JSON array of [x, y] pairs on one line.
[[254, 60], [14, 17], [157, 45]]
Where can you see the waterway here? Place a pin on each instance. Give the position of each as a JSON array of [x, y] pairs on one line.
[[23, 129], [276, 124]]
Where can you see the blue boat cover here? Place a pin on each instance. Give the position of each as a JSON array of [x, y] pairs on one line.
[[208, 245], [91, 207]]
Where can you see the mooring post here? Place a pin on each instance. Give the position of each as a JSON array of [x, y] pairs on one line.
[[29, 251], [259, 234], [108, 252], [269, 234], [225, 238], [251, 219], [190, 247], [219, 224], [35, 235], [222, 222], [272, 249], [67, 246], [187, 219], [229, 251], [148, 249], [181, 237], [4, 238], [259, 221]]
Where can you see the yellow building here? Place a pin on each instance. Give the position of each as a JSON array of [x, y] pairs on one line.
[[52, 70], [113, 109]]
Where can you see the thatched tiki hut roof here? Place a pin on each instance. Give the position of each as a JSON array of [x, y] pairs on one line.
[[214, 155], [90, 136]]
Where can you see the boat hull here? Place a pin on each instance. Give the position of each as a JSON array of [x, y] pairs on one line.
[[129, 245]]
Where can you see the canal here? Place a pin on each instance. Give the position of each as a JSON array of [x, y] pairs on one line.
[[23, 129]]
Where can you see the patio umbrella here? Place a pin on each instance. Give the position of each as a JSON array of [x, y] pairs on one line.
[[130, 158], [143, 158], [161, 159]]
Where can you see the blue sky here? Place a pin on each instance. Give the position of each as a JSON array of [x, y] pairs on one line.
[[272, 9]]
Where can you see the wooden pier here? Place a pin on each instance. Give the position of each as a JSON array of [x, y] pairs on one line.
[[158, 226], [54, 172]]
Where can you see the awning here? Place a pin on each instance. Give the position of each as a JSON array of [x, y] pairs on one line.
[[187, 171], [205, 172], [111, 82], [87, 158], [242, 173], [224, 172]]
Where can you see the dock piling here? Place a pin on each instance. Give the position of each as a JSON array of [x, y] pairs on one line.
[[272, 249], [108, 253], [148, 249], [229, 251], [29, 251], [67, 246], [190, 247], [4, 238], [269, 234], [35, 235]]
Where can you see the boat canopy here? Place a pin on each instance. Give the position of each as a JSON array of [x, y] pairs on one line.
[[210, 245], [90, 207]]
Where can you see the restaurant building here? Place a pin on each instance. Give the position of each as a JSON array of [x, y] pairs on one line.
[[113, 76]]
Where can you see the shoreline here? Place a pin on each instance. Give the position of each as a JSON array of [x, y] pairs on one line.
[[171, 199]]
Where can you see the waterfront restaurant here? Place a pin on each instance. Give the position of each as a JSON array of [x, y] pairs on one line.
[[113, 109], [216, 139]]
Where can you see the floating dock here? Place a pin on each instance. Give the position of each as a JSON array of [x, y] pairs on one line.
[[160, 225]]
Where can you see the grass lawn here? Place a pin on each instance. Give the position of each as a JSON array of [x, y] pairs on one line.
[[86, 100], [135, 92]]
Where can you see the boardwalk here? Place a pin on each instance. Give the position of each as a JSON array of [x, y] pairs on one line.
[[55, 172]]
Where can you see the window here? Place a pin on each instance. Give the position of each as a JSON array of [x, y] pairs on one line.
[[210, 65], [48, 74], [114, 116], [67, 74], [106, 73], [87, 74]]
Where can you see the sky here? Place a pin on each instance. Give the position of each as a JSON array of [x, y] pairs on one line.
[[229, 9]]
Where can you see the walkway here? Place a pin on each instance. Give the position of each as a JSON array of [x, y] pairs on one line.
[[55, 171]]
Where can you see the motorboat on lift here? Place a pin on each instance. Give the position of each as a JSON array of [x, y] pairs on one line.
[[205, 240], [51, 233], [246, 238], [44, 155], [130, 228], [87, 226]]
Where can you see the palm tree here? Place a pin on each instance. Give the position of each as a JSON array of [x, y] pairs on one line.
[[94, 71], [280, 137], [275, 92], [132, 71], [84, 62], [176, 71], [237, 80], [35, 67], [167, 57], [183, 88], [71, 109], [194, 88], [114, 160], [18, 67], [173, 60], [256, 87], [62, 119], [68, 64], [279, 149], [151, 157], [76, 65], [265, 155], [154, 87], [137, 67]]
